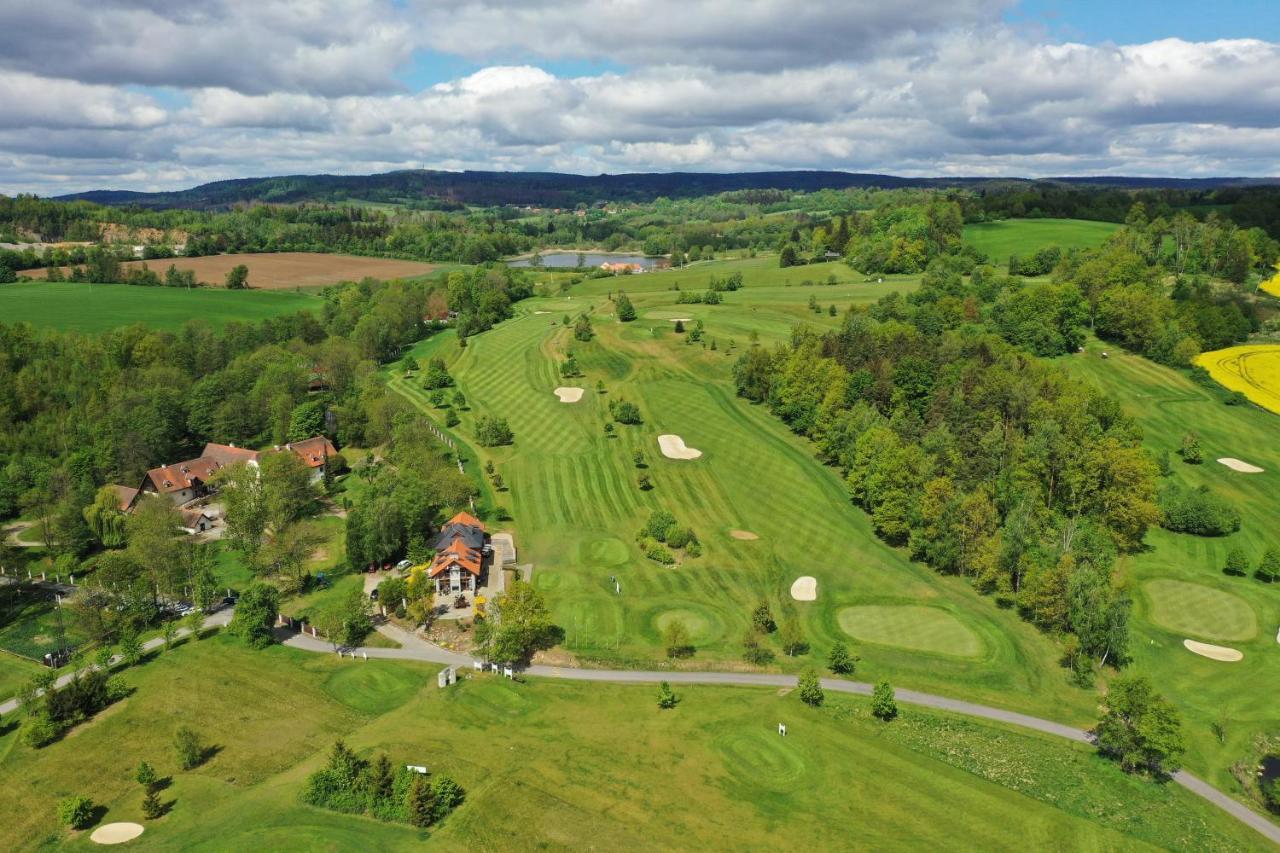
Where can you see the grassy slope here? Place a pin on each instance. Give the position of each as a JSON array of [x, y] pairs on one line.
[[1167, 404], [1023, 237], [569, 765], [577, 508], [99, 307]]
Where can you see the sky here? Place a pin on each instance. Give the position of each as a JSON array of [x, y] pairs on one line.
[[165, 94]]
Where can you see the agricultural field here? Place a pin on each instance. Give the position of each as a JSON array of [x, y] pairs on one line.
[[1179, 588], [1023, 237], [577, 507], [283, 270], [100, 307], [596, 761], [1251, 369]]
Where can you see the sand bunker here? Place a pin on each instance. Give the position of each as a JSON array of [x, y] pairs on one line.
[[569, 395], [542, 312], [1221, 653], [681, 319], [805, 589], [1237, 465], [744, 535], [673, 447], [116, 833]]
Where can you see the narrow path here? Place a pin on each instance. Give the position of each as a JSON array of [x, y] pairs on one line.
[[415, 648]]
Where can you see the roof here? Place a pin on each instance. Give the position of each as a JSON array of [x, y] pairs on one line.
[[168, 479], [456, 553], [229, 454], [469, 535], [125, 496], [191, 517], [465, 518], [313, 451]]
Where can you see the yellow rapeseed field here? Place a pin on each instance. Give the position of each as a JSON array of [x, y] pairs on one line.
[[1272, 285], [1252, 369]]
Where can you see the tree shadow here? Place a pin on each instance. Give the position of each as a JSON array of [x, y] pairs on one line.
[[96, 814], [208, 753], [162, 784]]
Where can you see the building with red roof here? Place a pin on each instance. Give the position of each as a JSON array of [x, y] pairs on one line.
[[460, 555]]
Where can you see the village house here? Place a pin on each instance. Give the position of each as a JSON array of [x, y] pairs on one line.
[[183, 482], [621, 267], [460, 555]]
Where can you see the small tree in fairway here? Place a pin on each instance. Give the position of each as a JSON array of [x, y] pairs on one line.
[[810, 688], [666, 697], [840, 661], [883, 704], [1140, 728]]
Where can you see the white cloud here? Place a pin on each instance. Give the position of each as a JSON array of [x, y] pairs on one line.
[[962, 98]]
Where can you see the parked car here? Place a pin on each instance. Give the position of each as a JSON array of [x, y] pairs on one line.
[[404, 565], [373, 596]]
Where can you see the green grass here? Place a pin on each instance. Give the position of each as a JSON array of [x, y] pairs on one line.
[[14, 672], [1023, 237], [29, 623], [549, 764], [925, 629], [1166, 404], [1200, 611], [100, 307], [576, 506]]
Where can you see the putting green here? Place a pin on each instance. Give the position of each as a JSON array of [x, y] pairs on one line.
[[701, 625], [921, 629], [1192, 608], [605, 551], [764, 759], [706, 626], [374, 687]]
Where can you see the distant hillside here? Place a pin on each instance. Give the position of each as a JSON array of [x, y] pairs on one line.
[[551, 189]]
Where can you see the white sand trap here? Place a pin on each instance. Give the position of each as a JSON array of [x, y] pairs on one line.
[[569, 395], [1237, 465], [681, 319], [1221, 653], [673, 447], [805, 589], [744, 535], [116, 833]]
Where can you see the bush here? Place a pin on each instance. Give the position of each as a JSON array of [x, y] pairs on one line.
[[151, 808], [145, 774], [1140, 728], [657, 552], [625, 412], [840, 661], [39, 730], [436, 375], [676, 640], [75, 812], [1237, 562], [493, 431], [659, 525], [752, 651], [666, 696], [1269, 566], [1198, 511]]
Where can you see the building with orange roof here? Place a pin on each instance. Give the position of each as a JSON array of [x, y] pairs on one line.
[[461, 548]]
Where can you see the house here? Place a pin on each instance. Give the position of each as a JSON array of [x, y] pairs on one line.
[[196, 521], [620, 267], [181, 482], [460, 551], [125, 496], [315, 453]]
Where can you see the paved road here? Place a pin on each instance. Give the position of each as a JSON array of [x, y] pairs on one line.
[[415, 648]]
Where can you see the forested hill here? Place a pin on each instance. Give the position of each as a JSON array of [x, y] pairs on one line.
[[450, 189]]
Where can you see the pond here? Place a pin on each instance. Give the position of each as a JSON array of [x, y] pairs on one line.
[[1271, 768], [572, 260]]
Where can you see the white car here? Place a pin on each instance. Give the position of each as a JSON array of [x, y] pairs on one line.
[[403, 565]]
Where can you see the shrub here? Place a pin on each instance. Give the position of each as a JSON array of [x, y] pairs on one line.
[[1140, 728], [1198, 511], [436, 375], [626, 311], [1190, 450], [190, 750], [145, 774], [762, 619], [1237, 562], [752, 651], [676, 639], [1269, 566], [39, 730], [660, 523], [625, 412], [255, 615], [493, 431], [657, 552], [151, 808], [666, 696], [75, 812]]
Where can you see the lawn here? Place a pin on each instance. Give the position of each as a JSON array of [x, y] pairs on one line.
[[1252, 369], [101, 307], [571, 765], [1023, 237], [1166, 404], [577, 507]]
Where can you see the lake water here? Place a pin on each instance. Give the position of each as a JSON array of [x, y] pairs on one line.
[[569, 260]]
